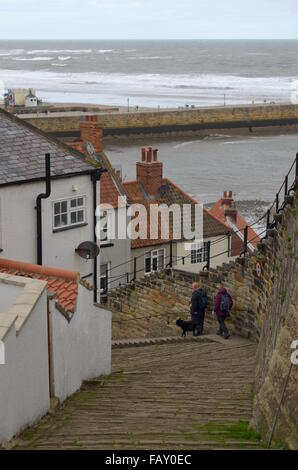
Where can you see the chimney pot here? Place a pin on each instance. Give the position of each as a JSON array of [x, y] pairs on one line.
[[155, 155], [143, 154], [149, 155]]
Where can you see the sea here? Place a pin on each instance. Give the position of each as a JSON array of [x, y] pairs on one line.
[[171, 74], [152, 73]]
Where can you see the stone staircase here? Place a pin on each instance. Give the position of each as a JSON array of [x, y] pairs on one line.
[[194, 394], [150, 306]]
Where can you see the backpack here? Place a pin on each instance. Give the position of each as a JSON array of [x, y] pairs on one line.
[[225, 303], [202, 300]]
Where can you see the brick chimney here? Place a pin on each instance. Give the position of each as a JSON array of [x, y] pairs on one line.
[[149, 171], [230, 209], [91, 130]]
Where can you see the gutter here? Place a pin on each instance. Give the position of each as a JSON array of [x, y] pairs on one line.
[[38, 207]]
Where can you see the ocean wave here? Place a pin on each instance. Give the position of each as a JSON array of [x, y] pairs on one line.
[[156, 57], [12, 52], [34, 59], [145, 89], [61, 57], [105, 51], [182, 144], [59, 51], [252, 140]]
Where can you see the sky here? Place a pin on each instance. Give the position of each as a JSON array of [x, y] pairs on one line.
[[148, 19]]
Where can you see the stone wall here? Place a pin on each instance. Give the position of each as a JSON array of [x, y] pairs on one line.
[[175, 120], [265, 310]]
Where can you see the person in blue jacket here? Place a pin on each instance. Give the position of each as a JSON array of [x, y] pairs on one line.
[[198, 306]]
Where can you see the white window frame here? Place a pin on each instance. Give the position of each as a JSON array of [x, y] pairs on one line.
[[69, 211], [154, 254], [201, 253], [101, 276], [108, 216]]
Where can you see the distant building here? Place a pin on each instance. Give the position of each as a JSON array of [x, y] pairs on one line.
[[67, 213], [21, 97], [151, 187], [115, 254], [225, 211], [30, 100]]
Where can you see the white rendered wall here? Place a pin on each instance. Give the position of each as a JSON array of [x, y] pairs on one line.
[[81, 347], [18, 224], [24, 379], [218, 254], [117, 256], [8, 294]]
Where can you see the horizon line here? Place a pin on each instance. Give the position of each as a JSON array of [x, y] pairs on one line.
[[149, 39]]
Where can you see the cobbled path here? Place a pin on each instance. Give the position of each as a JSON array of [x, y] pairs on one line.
[[177, 395]]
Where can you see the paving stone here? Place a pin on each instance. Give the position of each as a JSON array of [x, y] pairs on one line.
[[160, 396]]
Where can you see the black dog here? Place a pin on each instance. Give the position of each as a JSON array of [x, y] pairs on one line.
[[187, 326]]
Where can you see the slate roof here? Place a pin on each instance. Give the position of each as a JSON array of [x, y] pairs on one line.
[[64, 283], [22, 151], [170, 194]]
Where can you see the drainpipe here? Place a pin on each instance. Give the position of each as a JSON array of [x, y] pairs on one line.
[[95, 176], [50, 346], [38, 207]]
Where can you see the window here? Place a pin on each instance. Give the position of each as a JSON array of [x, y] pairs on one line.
[[199, 253], [104, 227], [104, 278], [69, 212], [154, 261]]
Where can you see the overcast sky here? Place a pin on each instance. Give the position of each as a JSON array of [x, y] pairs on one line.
[[148, 19]]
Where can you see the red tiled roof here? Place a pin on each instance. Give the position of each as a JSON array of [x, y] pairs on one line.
[[108, 192], [64, 283], [218, 211], [111, 186], [170, 194]]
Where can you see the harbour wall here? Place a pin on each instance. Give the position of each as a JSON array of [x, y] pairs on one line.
[[164, 121]]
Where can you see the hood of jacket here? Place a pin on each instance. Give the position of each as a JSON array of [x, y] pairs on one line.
[[222, 290]]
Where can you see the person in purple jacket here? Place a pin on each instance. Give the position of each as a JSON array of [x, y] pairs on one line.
[[222, 305]]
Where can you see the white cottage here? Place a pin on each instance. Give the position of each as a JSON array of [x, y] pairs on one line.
[[47, 204]]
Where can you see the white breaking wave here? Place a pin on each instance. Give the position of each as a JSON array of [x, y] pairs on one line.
[[156, 57], [105, 51], [33, 59], [147, 89], [12, 52], [59, 51], [61, 57]]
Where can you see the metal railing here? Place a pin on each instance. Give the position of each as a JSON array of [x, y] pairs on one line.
[[281, 199]]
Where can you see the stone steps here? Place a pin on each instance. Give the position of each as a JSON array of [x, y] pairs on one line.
[[159, 396]]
